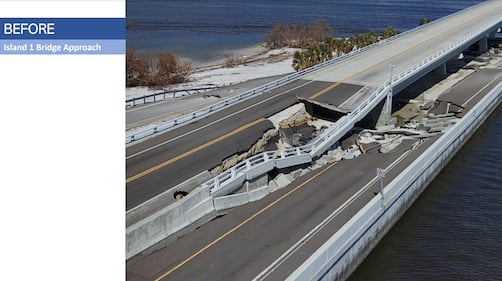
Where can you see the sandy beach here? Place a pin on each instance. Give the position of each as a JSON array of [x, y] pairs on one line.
[[255, 62]]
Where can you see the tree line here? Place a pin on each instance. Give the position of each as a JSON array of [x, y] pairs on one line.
[[330, 47], [155, 71], [317, 41], [297, 35]]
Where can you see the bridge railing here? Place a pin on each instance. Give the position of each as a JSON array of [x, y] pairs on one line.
[[191, 117], [261, 163], [165, 95]]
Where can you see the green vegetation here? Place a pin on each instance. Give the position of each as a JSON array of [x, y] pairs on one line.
[[424, 21], [317, 43], [330, 46]]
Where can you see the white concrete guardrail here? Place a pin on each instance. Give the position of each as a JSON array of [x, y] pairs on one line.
[[339, 256], [196, 115], [201, 202], [259, 164]]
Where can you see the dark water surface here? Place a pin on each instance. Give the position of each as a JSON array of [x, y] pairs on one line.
[[453, 231], [205, 30]]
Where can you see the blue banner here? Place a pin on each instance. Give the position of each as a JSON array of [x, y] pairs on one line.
[[62, 35], [63, 28]]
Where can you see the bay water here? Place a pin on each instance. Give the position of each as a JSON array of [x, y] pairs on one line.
[[453, 231], [207, 30]]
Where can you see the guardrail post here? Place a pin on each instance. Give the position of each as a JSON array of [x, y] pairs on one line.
[[275, 84]]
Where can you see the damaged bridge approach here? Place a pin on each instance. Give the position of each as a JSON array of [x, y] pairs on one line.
[[341, 95]]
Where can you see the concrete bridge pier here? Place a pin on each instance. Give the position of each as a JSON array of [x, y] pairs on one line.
[[483, 44], [441, 69], [385, 120]]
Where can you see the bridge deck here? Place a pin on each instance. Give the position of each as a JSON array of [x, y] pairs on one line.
[[371, 68], [239, 245]]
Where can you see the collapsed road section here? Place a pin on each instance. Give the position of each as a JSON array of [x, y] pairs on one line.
[[417, 121]]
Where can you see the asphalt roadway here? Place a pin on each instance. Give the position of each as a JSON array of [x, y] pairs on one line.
[[154, 165], [251, 237], [160, 163], [171, 108], [242, 243]]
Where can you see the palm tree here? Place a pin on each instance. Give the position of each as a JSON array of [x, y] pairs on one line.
[[299, 61], [389, 32]]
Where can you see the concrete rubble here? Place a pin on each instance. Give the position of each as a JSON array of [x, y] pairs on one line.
[[293, 127], [258, 147], [418, 119]]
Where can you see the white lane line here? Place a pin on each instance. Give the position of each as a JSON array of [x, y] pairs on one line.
[[482, 89], [216, 121], [265, 273]]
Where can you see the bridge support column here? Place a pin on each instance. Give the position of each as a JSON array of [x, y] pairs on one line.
[[441, 69], [483, 44], [492, 34], [385, 120]]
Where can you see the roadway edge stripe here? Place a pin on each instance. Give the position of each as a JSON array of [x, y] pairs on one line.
[[243, 223], [335, 84], [192, 151]]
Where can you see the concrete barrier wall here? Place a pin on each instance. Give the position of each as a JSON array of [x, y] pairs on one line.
[[164, 199], [234, 200], [348, 247], [167, 221], [230, 201], [258, 193], [198, 211]]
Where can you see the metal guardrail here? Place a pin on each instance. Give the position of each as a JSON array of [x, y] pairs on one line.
[[266, 161], [172, 94], [191, 117]]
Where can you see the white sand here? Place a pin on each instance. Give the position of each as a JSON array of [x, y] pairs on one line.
[[260, 64]]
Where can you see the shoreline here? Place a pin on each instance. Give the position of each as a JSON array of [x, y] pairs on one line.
[[247, 53], [254, 62]]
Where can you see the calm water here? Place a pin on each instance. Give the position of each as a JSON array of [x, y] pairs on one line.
[[205, 30], [454, 229]]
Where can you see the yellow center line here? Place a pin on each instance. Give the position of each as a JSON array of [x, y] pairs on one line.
[[322, 92], [240, 225], [192, 151], [205, 248], [334, 85]]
